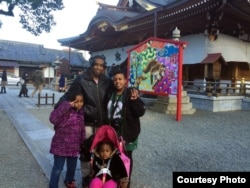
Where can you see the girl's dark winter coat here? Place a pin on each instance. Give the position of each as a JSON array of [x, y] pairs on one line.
[[132, 111], [117, 168], [69, 130]]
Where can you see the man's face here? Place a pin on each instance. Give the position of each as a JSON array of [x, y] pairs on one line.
[[98, 67]]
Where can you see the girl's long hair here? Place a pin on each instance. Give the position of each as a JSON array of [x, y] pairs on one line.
[[73, 92]]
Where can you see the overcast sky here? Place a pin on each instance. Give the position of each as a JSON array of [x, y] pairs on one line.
[[71, 21]]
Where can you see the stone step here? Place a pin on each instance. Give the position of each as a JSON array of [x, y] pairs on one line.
[[184, 99], [172, 97], [171, 106], [185, 112], [168, 104]]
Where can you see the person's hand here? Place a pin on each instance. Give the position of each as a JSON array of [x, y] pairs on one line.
[[72, 103], [134, 94]]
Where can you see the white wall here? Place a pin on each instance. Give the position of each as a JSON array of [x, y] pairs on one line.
[[49, 72], [110, 55], [198, 46], [16, 71], [231, 48]]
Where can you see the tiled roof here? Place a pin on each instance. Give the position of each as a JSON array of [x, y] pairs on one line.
[[113, 16], [122, 25], [211, 58], [37, 54]]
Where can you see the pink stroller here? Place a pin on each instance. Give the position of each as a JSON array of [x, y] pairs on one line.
[[107, 134]]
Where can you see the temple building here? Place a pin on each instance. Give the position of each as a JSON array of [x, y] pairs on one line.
[[217, 33]]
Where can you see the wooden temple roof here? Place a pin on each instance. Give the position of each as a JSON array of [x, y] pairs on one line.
[[126, 24], [211, 58]]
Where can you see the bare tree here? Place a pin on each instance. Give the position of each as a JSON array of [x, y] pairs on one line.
[[35, 16]]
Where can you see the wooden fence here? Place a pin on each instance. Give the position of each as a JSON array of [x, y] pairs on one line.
[[217, 88], [46, 99]]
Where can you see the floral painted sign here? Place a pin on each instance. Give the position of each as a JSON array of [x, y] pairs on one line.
[[153, 66]]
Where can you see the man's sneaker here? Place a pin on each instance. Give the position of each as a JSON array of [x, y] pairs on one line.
[[70, 184]]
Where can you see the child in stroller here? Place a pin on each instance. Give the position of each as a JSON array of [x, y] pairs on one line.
[[109, 165]]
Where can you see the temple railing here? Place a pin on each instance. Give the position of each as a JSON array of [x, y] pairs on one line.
[[217, 88]]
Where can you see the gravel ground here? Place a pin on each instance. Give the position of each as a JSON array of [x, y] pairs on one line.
[[18, 168], [204, 141]]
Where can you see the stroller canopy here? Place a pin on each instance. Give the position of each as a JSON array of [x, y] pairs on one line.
[[105, 133]]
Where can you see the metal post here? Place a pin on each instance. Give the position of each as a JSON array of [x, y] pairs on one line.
[[53, 99], [39, 99], [46, 98]]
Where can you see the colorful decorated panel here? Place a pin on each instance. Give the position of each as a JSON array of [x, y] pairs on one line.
[[153, 67]]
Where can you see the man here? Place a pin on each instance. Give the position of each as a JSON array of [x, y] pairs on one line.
[[94, 85], [4, 82], [38, 81]]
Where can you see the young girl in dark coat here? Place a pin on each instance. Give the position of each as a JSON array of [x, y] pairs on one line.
[[69, 127], [124, 111], [108, 161]]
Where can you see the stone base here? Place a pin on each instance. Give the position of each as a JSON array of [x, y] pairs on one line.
[[221, 103], [148, 101], [168, 105], [246, 104]]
